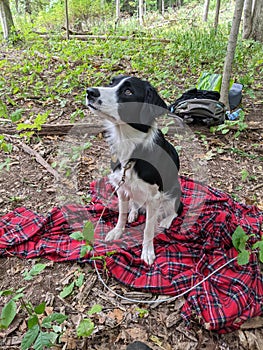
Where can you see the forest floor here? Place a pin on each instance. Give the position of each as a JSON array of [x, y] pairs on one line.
[[232, 164]]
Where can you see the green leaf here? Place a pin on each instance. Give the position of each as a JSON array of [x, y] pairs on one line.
[[36, 269], [165, 130], [88, 231], [85, 328], [16, 115], [6, 292], [225, 131], [95, 309], [39, 309], [239, 239], [32, 321], [55, 317], [142, 312], [43, 339], [67, 290], [84, 250], [244, 174], [79, 281], [259, 245], [8, 314], [243, 257], [18, 296], [29, 337], [57, 329], [78, 236]]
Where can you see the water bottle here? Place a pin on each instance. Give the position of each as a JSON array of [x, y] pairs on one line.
[[234, 115]]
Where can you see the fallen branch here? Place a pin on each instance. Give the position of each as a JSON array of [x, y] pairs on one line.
[[39, 159], [35, 154], [56, 129], [88, 129], [110, 37]]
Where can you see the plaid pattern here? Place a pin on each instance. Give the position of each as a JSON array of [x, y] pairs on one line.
[[198, 242]]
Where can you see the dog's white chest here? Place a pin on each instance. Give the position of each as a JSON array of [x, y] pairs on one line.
[[135, 188]]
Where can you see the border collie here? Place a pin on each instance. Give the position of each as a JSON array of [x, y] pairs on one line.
[[144, 164]]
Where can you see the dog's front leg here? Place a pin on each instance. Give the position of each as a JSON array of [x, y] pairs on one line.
[[148, 254], [122, 218]]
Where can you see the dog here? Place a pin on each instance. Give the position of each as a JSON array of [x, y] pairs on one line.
[[144, 164]]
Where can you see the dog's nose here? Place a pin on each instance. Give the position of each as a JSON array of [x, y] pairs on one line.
[[92, 94]]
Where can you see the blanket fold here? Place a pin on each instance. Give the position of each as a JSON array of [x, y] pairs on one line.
[[197, 243]]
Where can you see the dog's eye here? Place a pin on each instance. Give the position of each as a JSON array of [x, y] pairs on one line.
[[128, 92]]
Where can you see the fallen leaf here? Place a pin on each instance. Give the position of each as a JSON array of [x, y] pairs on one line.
[[137, 333], [49, 310], [117, 315]]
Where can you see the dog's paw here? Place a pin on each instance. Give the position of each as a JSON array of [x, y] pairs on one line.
[[133, 215], [114, 234], [148, 254]]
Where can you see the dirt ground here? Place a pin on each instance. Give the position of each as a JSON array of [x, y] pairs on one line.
[[231, 164]]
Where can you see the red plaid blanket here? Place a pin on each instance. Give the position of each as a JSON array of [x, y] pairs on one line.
[[198, 242]]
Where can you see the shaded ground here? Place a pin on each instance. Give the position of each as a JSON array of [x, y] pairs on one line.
[[231, 164]]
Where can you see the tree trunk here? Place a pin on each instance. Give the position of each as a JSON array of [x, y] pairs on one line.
[[257, 21], [206, 8], [231, 48], [6, 18], [162, 5], [247, 23], [141, 12], [118, 10], [218, 3], [67, 19]]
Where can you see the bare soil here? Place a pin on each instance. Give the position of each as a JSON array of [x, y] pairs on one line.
[[231, 164]]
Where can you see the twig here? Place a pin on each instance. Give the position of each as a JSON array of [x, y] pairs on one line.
[[257, 187], [39, 159], [35, 154], [55, 58]]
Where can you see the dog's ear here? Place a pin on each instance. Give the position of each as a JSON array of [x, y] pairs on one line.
[[153, 106]]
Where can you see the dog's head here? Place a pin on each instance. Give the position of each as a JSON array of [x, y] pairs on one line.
[[127, 99]]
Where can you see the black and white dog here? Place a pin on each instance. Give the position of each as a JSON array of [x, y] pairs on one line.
[[145, 165]]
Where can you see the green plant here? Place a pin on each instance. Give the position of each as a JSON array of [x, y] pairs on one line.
[[10, 309], [245, 175], [5, 146], [86, 326], [39, 120], [77, 282], [68, 156], [5, 164], [86, 236], [36, 270], [240, 240], [165, 129], [142, 312], [228, 125], [42, 331]]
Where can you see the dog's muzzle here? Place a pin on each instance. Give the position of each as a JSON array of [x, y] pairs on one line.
[[92, 96]]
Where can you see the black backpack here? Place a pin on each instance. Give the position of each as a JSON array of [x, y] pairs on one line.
[[200, 106]]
